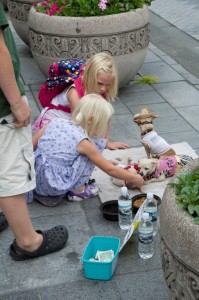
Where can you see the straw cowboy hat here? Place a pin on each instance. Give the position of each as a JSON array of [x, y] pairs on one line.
[[145, 113]]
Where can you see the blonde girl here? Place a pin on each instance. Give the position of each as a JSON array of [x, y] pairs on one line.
[[68, 150], [100, 77]]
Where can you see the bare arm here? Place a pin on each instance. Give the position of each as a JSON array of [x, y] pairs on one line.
[[9, 86], [73, 98], [36, 137], [87, 148]]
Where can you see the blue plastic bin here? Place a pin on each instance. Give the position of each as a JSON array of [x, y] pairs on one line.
[[100, 270]]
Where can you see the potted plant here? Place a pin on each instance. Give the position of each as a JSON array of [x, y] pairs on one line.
[[62, 29], [179, 233], [187, 193], [18, 11]]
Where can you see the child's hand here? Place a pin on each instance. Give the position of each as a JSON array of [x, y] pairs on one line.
[[116, 145], [137, 182]]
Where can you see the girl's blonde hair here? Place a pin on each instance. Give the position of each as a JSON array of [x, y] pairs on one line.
[[100, 62], [93, 113]]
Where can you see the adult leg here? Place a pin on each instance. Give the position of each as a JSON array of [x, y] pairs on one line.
[[16, 212], [3, 222]]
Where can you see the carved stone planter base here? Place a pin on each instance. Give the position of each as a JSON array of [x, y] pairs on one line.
[[179, 244], [18, 11], [182, 282], [125, 36]]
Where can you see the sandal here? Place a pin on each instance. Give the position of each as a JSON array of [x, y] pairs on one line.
[[3, 222], [49, 201], [54, 240], [89, 192]]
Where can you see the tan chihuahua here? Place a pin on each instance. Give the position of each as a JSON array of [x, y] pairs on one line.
[[155, 145]]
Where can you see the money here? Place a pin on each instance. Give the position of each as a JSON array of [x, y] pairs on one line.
[[104, 256]]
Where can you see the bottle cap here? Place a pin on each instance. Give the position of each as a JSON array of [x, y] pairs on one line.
[[149, 196], [124, 190], [145, 216]]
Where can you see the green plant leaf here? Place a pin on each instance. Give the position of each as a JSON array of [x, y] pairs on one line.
[[181, 205], [187, 192], [191, 209], [196, 220], [197, 209], [150, 79]]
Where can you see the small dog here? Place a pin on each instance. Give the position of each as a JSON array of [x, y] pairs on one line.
[[155, 145], [153, 169], [127, 164]]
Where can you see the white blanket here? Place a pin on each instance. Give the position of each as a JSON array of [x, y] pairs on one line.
[[108, 191]]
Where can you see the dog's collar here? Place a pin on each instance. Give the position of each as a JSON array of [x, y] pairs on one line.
[[150, 176], [135, 166], [145, 123], [147, 131]]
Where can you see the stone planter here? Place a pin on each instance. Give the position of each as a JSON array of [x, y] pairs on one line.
[[179, 245], [125, 36], [18, 11]]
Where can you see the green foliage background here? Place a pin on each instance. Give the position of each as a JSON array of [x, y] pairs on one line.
[[187, 193]]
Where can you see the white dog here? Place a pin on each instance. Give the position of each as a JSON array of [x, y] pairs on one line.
[[154, 169], [127, 164]]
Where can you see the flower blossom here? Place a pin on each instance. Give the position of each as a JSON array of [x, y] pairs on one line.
[[102, 4]]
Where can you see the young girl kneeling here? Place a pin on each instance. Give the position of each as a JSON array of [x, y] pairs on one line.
[[68, 150]]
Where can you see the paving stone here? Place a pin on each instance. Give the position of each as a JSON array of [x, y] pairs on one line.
[[30, 71], [190, 114], [134, 86], [172, 124], [140, 98], [163, 71], [167, 59], [191, 137], [123, 129], [142, 285], [178, 94], [85, 289], [151, 57], [162, 109]]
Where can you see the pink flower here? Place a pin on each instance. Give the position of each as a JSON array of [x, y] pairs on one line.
[[54, 6], [102, 4]]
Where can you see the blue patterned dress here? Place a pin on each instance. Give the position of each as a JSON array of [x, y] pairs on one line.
[[59, 166]]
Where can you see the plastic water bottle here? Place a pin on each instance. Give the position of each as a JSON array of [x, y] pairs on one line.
[[124, 209], [145, 234], [151, 208]]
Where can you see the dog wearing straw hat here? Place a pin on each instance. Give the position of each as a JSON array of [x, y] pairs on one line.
[[155, 146]]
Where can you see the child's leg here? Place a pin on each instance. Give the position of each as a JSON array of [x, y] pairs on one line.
[[16, 212]]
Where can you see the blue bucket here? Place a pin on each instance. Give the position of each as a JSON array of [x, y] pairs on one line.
[[100, 270]]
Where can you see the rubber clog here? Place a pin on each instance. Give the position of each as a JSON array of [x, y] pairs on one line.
[[54, 240]]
